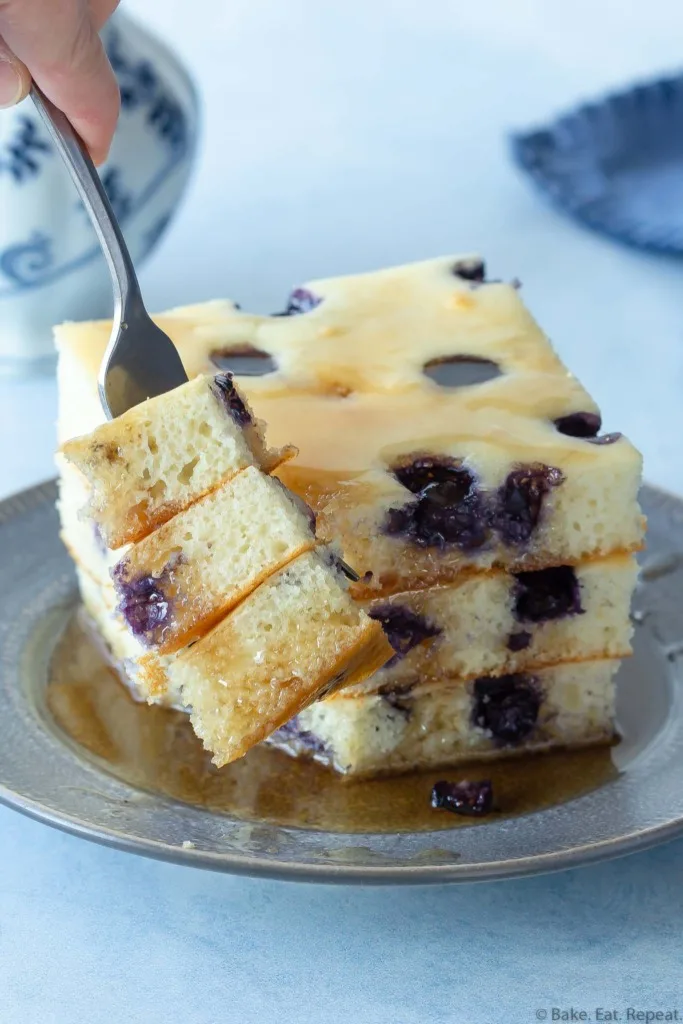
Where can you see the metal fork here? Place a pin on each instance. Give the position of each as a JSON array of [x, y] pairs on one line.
[[140, 361]]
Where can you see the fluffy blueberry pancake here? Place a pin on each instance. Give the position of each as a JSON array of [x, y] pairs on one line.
[[148, 465], [222, 606], [434, 724], [452, 459], [297, 637], [182, 578], [507, 622]]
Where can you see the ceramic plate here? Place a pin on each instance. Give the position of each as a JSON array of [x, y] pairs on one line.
[[50, 776]]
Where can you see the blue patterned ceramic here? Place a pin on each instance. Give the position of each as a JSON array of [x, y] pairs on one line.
[[51, 267], [616, 165]]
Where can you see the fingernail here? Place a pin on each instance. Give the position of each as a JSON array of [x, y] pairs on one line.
[[11, 84]]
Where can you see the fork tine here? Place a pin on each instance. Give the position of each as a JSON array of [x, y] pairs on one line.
[[140, 361]]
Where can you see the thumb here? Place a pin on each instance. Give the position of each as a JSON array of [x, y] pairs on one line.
[[15, 80], [58, 42]]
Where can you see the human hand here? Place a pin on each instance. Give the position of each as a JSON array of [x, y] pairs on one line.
[[56, 43]]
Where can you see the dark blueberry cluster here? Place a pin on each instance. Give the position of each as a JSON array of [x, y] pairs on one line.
[[520, 500], [507, 707], [473, 799], [471, 270], [142, 602], [404, 629], [519, 641], [224, 389], [547, 594], [300, 301], [449, 508]]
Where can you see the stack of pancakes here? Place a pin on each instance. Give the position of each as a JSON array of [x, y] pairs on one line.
[[222, 600], [461, 471]]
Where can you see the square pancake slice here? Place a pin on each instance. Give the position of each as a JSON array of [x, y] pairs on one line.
[[296, 637], [162, 455], [181, 579]]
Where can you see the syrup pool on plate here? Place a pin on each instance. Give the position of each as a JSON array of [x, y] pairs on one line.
[[154, 749]]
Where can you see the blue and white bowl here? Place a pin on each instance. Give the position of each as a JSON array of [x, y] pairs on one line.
[[51, 267]]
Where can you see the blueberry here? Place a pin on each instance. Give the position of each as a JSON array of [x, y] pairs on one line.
[[449, 508], [519, 641], [142, 602], [470, 270], [300, 301], [547, 594], [579, 424], [291, 731], [402, 521], [225, 391], [587, 426], [520, 500], [426, 472], [404, 629], [506, 707], [473, 799], [440, 523]]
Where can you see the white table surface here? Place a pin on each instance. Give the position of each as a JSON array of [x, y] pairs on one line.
[[339, 138]]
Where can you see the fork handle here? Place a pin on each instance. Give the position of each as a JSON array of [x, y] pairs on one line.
[[127, 295]]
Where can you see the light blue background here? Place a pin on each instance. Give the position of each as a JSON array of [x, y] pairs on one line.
[[337, 138], [93, 935]]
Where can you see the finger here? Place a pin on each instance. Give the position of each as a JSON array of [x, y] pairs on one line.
[[60, 47], [101, 11], [15, 80]]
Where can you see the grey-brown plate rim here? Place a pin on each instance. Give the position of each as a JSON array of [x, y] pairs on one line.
[[667, 512]]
